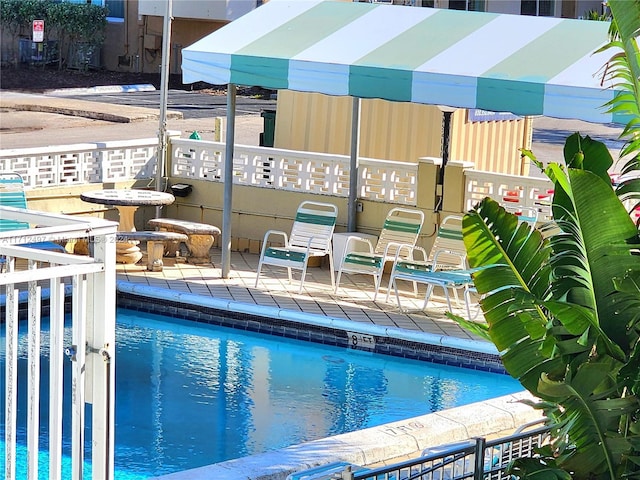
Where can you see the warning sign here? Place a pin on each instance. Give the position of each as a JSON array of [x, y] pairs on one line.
[[38, 30]]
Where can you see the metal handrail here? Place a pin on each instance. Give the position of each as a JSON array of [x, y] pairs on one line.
[[475, 459]]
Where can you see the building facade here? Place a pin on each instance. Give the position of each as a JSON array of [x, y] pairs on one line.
[[134, 32]]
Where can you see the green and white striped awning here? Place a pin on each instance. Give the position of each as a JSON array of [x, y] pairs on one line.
[[497, 62]]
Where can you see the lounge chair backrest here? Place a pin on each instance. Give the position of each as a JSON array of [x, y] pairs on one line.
[[402, 226], [524, 214], [449, 239], [12, 195], [314, 222]]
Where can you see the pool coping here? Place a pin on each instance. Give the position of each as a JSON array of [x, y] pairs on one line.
[[388, 443], [418, 345]]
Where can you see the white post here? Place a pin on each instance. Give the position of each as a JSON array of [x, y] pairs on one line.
[[33, 377], [11, 380], [101, 327], [56, 376], [164, 87], [354, 165], [78, 354], [228, 181]]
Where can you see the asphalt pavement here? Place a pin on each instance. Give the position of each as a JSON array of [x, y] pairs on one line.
[[59, 118], [92, 115], [192, 104]]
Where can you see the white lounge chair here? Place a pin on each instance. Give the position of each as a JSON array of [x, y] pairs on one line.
[[431, 276], [524, 214], [448, 245], [445, 266], [400, 231], [12, 194], [310, 237]]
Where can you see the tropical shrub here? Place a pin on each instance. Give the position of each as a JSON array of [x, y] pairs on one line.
[[562, 305], [71, 24]]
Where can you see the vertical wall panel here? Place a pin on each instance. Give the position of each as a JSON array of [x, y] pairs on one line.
[[397, 131]]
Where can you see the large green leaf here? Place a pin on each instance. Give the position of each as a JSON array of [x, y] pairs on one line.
[[542, 300], [591, 412], [623, 70], [597, 244], [514, 276]]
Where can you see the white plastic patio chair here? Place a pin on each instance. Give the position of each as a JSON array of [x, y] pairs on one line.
[[310, 237], [400, 231]]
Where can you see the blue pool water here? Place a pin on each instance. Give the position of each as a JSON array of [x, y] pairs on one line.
[[190, 394]]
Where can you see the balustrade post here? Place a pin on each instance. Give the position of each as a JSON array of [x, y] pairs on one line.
[[455, 185], [426, 195]]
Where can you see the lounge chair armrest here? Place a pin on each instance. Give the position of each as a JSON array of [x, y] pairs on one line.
[[352, 241], [279, 233], [406, 251], [401, 249], [313, 238], [456, 253]]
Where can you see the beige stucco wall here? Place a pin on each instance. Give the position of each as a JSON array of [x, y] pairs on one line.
[[256, 210]]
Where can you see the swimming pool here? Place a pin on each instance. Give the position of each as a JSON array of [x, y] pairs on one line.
[[191, 394]]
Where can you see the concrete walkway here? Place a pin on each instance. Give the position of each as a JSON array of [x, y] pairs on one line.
[[353, 302]]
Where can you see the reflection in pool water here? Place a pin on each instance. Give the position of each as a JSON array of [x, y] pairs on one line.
[[190, 394]]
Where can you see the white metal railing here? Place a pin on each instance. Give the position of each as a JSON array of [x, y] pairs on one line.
[[28, 273], [320, 173], [510, 190]]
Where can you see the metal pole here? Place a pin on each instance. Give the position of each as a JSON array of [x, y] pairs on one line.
[[446, 135], [354, 166], [164, 87], [228, 180]]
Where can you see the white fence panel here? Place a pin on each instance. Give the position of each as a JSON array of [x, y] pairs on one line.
[[512, 190], [295, 171], [82, 163]]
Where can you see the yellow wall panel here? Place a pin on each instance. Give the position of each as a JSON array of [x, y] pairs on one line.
[[397, 131]]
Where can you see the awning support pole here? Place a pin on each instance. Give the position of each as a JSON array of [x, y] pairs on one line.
[[354, 166], [228, 181], [446, 136]]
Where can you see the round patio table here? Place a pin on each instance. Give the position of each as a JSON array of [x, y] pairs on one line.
[[127, 201]]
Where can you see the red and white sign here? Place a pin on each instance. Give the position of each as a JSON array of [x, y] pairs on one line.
[[38, 30]]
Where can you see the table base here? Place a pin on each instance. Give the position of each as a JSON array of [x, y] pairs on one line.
[[128, 252]]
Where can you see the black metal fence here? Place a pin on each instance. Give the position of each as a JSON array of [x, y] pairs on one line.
[[475, 459]]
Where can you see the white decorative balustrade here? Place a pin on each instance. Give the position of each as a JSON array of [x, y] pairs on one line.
[[82, 163], [263, 167], [320, 173], [509, 190]]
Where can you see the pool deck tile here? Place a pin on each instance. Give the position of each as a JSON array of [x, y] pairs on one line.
[[352, 302]]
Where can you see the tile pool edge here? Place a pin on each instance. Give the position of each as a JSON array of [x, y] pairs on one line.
[[468, 353], [380, 444]]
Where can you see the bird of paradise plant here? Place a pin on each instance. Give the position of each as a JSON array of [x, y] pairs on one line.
[[563, 306]]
